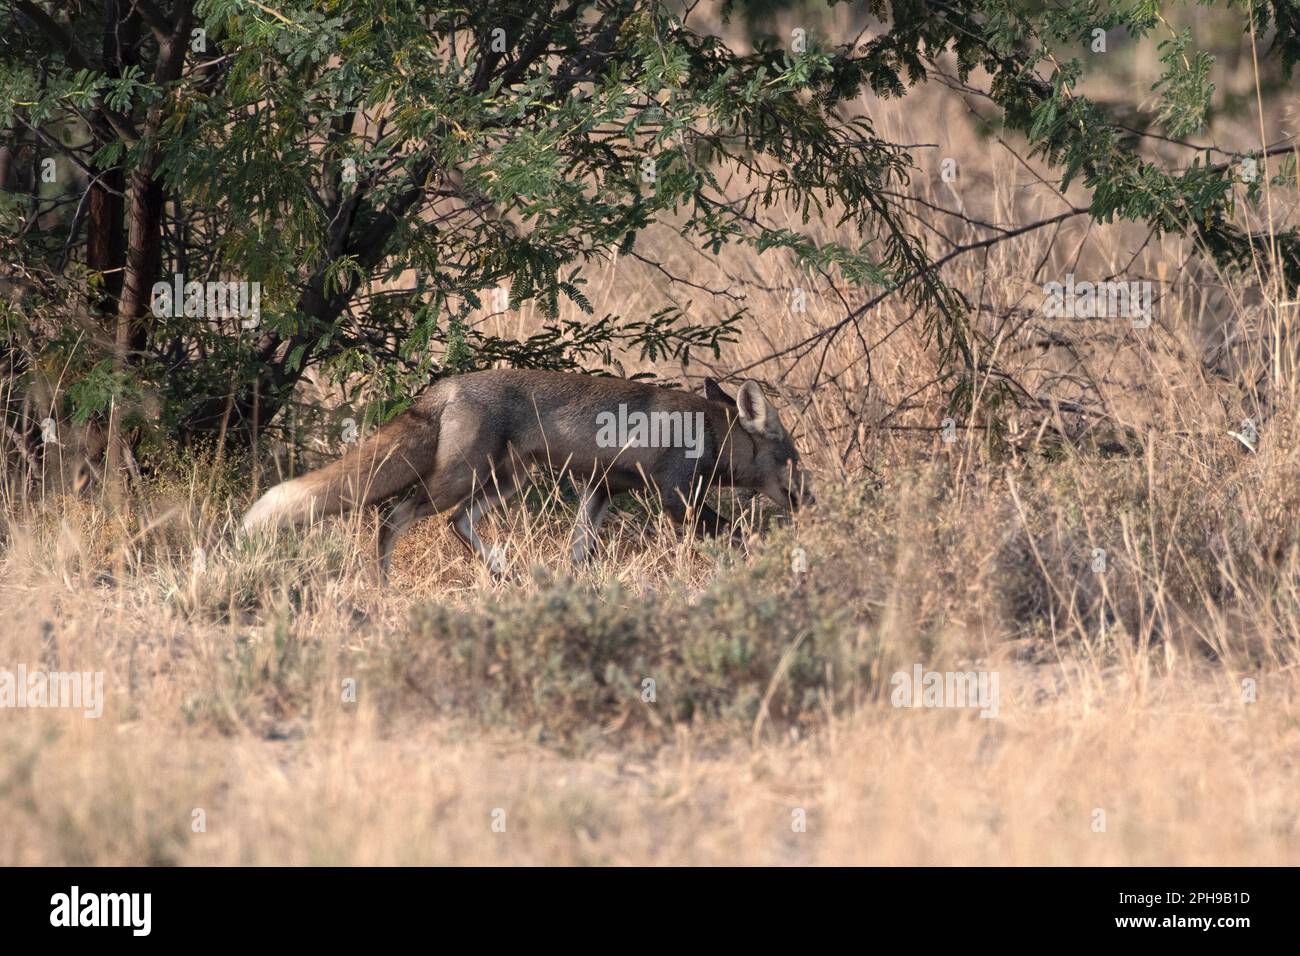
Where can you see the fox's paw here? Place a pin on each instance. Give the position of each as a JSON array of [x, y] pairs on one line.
[[496, 562]]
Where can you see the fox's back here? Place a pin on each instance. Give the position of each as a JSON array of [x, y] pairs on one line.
[[563, 417]]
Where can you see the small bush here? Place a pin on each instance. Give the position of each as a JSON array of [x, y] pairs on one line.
[[568, 659]]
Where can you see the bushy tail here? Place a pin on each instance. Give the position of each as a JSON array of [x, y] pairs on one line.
[[395, 457]]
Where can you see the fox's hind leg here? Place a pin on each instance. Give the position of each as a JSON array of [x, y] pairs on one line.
[[424, 500], [468, 514], [395, 523], [459, 490]]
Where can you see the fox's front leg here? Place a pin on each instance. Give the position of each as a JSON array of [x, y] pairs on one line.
[[703, 519], [712, 523], [591, 514]]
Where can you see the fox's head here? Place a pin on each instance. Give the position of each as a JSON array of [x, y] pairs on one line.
[[775, 471]]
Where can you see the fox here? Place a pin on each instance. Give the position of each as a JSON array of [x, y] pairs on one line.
[[468, 443]]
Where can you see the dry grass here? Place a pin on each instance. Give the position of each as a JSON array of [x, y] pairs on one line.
[[1122, 690]]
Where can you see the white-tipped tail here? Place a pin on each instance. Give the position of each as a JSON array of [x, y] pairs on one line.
[[390, 461], [285, 503]]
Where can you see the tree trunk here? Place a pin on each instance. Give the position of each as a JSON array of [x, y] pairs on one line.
[[106, 222], [104, 238], [144, 210]]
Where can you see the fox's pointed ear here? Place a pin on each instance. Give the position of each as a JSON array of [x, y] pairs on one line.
[[755, 413], [714, 393]]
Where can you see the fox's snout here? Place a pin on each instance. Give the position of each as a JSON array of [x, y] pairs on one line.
[[801, 496], [796, 492]]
